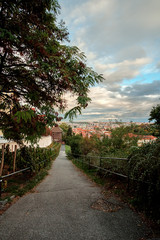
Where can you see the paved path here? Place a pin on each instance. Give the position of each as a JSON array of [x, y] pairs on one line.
[[60, 208]]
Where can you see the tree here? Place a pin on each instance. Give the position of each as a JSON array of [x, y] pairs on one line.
[[144, 164], [76, 145], [155, 116], [88, 145], [36, 68], [67, 132], [64, 127], [121, 140]]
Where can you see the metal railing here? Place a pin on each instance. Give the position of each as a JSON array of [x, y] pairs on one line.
[[12, 174], [19, 171], [9, 175], [87, 160]]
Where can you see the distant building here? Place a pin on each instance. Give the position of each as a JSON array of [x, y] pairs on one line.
[[107, 134], [142, 139], [57, 134], [146, 139]]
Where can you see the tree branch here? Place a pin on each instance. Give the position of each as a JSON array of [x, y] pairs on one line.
[[2, 61], [18, 65]]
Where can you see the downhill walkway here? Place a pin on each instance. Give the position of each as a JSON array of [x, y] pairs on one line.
[[60, 208]]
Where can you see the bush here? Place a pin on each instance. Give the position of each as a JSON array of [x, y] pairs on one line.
[[75, 144], [35, 158], [144, 165]]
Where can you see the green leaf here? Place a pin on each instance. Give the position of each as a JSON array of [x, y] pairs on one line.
[[73, 113]]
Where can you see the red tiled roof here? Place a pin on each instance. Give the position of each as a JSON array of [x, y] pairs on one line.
[[147, 137]]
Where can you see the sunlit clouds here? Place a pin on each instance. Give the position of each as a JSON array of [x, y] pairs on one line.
[[120, 39]]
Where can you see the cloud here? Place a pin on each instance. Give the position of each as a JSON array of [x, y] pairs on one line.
[[111, 26], [121, 40], [131, 53], [117, 72], [130, 103], [116, 31], [139, 90], [158, 66], [120, 105]]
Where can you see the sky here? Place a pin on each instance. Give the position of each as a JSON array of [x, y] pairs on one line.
[[121, 40]]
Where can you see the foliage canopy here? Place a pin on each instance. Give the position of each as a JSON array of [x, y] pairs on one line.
[[37, 68], [144, 166], [155, 116]]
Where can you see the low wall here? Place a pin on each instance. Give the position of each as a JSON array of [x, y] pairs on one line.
[[11, 145], [43, 142]]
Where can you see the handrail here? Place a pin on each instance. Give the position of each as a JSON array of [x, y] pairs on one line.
[[104, 169], [19, 171], [11, 174], [112, 172], [113, 158]]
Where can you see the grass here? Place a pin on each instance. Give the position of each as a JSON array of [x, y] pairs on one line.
[[67, 149], [93, 173]]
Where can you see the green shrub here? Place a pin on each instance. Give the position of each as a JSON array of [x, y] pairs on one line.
[[75, 144], [67, 150], [144, 168], [35, 158]]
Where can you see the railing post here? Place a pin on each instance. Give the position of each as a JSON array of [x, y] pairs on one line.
[[2, 162], [89, 163], [14, 160], [83, 159], [128, 176], [0, 187], [100, 165], [100, 162]]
